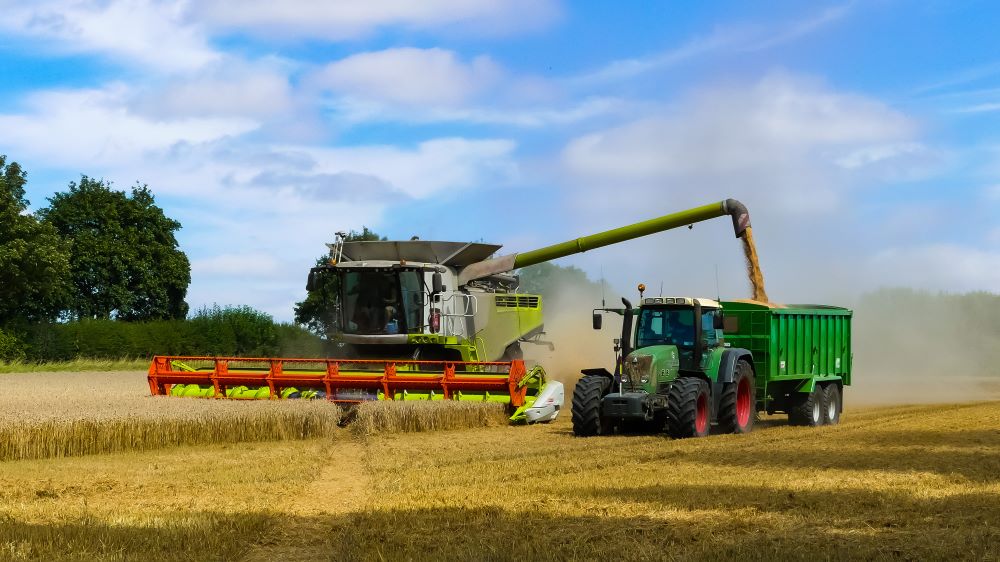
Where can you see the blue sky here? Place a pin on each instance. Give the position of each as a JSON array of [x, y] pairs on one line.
[[861, 135]]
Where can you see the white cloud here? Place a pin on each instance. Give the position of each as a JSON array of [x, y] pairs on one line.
[[722, 39], [95, 128], [148, 32], [409, 76], [944, 267], [367, 111], [783, 139], [229, 88], [807, 160], [340, 20]]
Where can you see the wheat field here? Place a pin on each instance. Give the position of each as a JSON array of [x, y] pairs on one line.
[[889, 483], [45, 415]]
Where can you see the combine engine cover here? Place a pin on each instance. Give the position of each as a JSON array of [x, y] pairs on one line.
[[351, 381]]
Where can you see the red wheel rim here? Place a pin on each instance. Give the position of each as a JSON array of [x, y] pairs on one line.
[[701, 415], [743, 402]]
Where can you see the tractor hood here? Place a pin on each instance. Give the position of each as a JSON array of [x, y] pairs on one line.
[[643, 368]]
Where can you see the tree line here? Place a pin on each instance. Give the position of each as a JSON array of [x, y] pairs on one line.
[[93, 253], [98, 272]]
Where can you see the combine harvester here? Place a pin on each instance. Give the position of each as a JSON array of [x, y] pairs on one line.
[[424, 321]]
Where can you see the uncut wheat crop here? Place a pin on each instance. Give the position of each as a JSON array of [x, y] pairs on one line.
[[402, 417], [44, 415]]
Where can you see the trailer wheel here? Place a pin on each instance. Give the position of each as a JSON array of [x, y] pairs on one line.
[[807, 408], [688, 409], [587, 396], [738, 403], [832, 404]]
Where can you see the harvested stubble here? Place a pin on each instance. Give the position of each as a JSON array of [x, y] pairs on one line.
[[399, 417], [69, 414]]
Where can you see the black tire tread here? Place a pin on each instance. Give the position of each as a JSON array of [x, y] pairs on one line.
[[682, 407], [832, 392], [586, 412], [800, 412], [727, 421]]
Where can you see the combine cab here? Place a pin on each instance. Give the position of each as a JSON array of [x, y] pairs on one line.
[[420, 320]]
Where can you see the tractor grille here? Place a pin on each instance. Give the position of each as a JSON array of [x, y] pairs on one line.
[[518, 301], [637, 367]]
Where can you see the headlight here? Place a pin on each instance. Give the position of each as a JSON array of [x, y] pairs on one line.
[[644, 378], [624, 377]]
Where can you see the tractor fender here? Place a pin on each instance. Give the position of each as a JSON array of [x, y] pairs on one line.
[[727, 368], [601, 372]]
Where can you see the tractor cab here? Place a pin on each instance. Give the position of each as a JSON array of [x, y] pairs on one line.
[[692, 325]]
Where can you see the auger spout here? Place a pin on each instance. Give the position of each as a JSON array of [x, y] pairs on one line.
[[502, 264]]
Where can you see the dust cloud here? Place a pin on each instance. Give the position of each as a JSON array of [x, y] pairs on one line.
[[569, 328], [909, 347], [913, 347]]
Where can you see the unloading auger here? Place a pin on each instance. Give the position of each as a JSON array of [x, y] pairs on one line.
[[420, 320]]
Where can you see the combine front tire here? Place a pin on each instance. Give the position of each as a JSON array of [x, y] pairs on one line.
[[587, 396], [688, 408], [807, 409], [832, 404], [738, 403]]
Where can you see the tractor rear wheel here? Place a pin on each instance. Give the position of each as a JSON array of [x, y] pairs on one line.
[[807, 408], [688, 409], [587, 396], [832, 404], [738, 403]]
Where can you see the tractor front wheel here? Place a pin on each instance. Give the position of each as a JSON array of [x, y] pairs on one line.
[[587, 396], [688, 409], [738, 403]]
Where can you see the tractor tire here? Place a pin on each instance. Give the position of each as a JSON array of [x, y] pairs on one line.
[[688, 408], [832, 404], [807, 409], [738, 403], [587, 394]]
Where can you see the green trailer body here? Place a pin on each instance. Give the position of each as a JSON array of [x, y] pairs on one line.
[[794, 347]]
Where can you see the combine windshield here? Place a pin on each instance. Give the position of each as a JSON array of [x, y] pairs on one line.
[[382, 302]]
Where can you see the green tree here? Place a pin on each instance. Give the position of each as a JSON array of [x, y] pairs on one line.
[[318, 312], [34, 261], [125, 261]]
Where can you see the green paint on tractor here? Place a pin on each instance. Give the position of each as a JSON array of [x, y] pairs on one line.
[[684, 364]]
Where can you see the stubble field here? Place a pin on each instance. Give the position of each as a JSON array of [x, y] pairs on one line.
[[894, 483]]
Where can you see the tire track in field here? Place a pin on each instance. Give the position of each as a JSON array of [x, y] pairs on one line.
[[341, 487]]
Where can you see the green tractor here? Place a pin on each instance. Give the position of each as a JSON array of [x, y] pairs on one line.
[[690, 363]]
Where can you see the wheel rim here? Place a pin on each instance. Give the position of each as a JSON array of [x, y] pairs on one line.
[[743, 402], [701, 414], [831, 408], [816, 411]]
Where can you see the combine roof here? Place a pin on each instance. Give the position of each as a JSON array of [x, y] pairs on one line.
[[455, 254]]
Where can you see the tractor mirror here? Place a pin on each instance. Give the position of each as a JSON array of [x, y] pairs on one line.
[[437, 286], [311, 281], [597, 320], [718, 322]]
